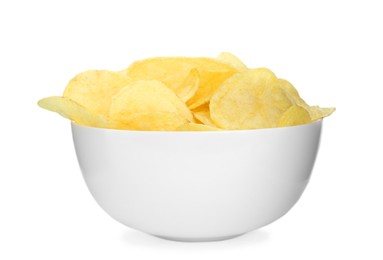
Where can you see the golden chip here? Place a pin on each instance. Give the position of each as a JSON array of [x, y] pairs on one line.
[[233, 61], [202, 114], [295, 115], [174, 70], [249, 100], [292, 93], [148, 97], [314, 111], [151, 121], [94, 89], [320, 112], [73, 111], [197, 127], [189, 86], [184, 94], [209, 83]]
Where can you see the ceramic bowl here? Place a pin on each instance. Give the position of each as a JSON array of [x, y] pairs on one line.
[[197, 186]]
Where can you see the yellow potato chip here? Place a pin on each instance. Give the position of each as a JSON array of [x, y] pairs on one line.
[[73, 111], [171, 70], [202, 114], [197, 127], [315, 112], [189, 86], [147, 97], [151, 121], [174, 70], [233, 61], [249, 100], [209, 83], [185, 94], [94, 89], [320, 112], [295, 115], [292, 93]]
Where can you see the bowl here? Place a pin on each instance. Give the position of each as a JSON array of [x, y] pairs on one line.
[[197, 186]]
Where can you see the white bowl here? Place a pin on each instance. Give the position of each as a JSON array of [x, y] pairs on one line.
[[197, 186]]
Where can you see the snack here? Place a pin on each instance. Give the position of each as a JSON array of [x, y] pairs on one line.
[[295, 115], [197, 127], [173, 71], [94, 89], [231, 60], [149, 101], [202, 115], [249, 100], [73, 111], [184, 94]]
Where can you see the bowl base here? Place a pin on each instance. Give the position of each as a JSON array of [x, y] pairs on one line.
[[202, 239]]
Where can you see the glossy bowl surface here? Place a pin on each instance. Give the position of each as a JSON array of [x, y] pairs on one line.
[[197, 186]]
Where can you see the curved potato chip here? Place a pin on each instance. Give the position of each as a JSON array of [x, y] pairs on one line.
[[94, 89], [197, 127], [188, 86], [185, 93], [295, 115], [249, 100], [320, 112], [292, 93], [151, 121], [173, 70], [315, 112], [202, 114], [209, 83], [147, 96], [233, 61], [73, 111]]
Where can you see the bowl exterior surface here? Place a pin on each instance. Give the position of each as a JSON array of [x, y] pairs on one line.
[[197, 186]]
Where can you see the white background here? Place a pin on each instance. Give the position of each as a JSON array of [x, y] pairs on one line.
[[331, 50]]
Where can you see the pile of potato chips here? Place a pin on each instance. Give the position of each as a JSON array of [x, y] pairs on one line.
[[183, 94]]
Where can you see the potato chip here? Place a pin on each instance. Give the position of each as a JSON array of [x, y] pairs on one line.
[[249, 100], [209, 83], [94, 89], [197, 127], [184, 94], [292, 93], [148, 97], [317, 112], [233, 61], [151, 121], [173, 70], [189, 86], [73, 111], [314, 111], [295, 115], [202, 114]]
